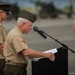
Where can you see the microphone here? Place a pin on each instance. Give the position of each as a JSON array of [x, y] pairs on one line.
[[39, 31]]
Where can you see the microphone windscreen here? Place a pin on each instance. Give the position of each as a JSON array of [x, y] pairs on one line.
[[35, 28]]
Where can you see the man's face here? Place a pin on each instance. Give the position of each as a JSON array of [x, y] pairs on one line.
[[26, 27]]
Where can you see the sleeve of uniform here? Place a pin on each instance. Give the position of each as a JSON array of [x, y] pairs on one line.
[[19, 43], [1, 38]]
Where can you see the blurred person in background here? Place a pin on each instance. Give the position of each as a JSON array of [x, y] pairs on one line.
[[74, 26], [4, 12], [16, 50]]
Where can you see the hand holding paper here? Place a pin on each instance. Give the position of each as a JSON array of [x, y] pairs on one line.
[[47, 51]]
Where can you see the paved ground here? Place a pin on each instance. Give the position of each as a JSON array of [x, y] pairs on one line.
[[60, 29]]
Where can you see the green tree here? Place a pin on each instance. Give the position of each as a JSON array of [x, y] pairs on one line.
[[15, 10]]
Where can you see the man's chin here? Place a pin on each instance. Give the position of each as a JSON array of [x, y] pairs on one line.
[[26, 32]]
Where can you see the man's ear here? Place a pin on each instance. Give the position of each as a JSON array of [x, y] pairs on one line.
[[23, 23]]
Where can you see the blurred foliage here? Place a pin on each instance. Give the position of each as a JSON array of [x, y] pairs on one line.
[[42, 9], [50, 10], [47, 10], [65, 10], [15, 11], [27, 8], [68, 11]]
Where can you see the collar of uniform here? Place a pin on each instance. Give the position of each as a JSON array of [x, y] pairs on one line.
[[19, 31]]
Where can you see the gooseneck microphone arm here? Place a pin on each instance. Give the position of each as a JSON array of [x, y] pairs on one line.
[[57, 41], [38, 31], [43, 34]]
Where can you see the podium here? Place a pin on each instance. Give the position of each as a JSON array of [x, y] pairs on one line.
[[46, 67]]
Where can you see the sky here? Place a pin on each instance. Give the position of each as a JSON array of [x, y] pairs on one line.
[[58, 3]]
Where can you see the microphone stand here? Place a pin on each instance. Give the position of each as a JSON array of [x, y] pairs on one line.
[[58, 41]]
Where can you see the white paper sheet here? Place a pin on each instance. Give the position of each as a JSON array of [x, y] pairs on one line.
[[47, 51]]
